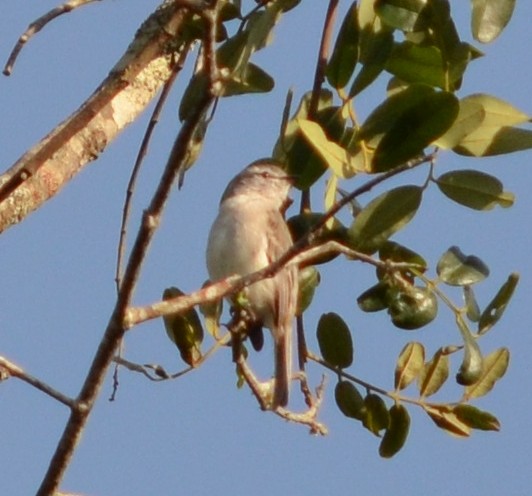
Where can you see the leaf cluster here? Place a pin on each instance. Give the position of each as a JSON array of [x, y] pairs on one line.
[[415, 46]]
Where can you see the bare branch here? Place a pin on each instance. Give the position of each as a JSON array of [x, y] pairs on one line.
[[9, 369], [37, 25]]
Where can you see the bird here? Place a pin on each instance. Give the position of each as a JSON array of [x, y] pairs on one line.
[[249, 234]]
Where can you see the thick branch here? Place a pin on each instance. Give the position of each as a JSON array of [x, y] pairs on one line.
[[41, 172]]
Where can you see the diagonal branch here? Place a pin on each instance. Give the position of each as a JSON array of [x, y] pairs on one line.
[[130, 86]]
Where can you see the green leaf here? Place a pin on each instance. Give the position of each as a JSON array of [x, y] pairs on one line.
[[383, 217], [490, 17], [375, 298], [395, 436], [434, 374], [476, 418], [492, 141], [345, 54], [470, 115], [334, 339], [194, 94], [473, 363], [349, 400], [474, 189], [252, 79], [375, 49], [456, 269], [415, 129], [417, 64], [409, 364], [472, 308], [333, 154], [211, 315], [445, 418], [377, 416], [495, 134], [302, 160], [413, 307], [394, 252], [406, 15], [494, 311], [309, 279], [184, 330], [495, 366]]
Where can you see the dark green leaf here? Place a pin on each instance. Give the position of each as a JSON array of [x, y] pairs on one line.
[[194, 94], [374, 299], [345, 54], [377, 416], [475, 418], [395, 436], [474, 189], [490, 17], [375, 48], [184, 330], [384, 216], [497, 306], [415, 129], [349, 400], [251, 79], [391, 251], [387, 113], [457, 269], [334, 339], [417, 64], [413, 307], [473, 363]]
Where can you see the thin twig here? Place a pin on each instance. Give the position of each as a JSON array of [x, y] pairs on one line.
[[319, 77], [140, 157], [37, 25], [13, 370]]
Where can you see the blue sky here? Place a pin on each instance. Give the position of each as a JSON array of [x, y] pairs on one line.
[[200, 435]]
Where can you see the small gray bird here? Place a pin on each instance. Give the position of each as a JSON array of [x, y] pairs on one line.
[[250, 233]]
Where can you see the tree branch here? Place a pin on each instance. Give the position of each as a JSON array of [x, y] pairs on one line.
[[41, 172]]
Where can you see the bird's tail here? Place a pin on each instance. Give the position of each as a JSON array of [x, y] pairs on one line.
[[283, 367]]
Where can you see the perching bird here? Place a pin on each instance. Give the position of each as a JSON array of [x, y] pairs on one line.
[[249, 234]]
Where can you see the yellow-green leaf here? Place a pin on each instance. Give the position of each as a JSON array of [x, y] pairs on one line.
[[445, 418], [184, 330], [409, 364], [309, 279], [489, 18], [495, 366], [433, 374]]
